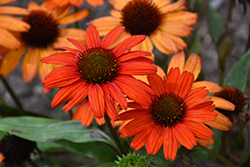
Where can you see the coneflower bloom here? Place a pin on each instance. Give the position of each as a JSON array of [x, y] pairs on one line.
[[100, 74], [236, 97], [163, 22], [176, 115], [9, 24], [43, 35], [59, 3]]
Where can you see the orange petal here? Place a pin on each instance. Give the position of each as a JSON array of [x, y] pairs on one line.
[[95, 3], [184, 136], [112, 36], [163, 43], [180, 44], [74, 17], [155, 140], [172, 78], [105, 24], [1, 157], [117, 94], [96, 100], [210, 86], [185, 84], [167, 7], [118, 4], [92, 37], [205, 143], [115, 13], [178, 60], [84, 113], [60, 12], [145, 45], [12, 10], [222, 122], [11, 60], [8, 40], [169, 144], [185, 17], [222, 103], [157, 84], [3, 2], [33, 6], [193, 65], [79, 45]]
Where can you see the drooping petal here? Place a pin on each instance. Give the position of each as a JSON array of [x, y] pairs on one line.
[[169, 144], [222, 122], [84, 114], [223, 104], [155, 139], [96, 100], [210, 86], [117, 94]]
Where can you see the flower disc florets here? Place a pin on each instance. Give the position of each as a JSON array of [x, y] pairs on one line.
[[168, 109], [97, 65]]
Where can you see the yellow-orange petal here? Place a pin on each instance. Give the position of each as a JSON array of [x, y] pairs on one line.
[[29, 65], [33, 6], [2, 2], [160, 39], [12, 10], [181, 45], [186, 17], [74, 17], [205, 143], [8, 40], [105, 24], [13, 24], [11, 60], [118, 4], [95, 3], [60, 12], [222, 122], [145, 45], [166, 8], [222, 103], [178, 60], [193, 65], [210, 86], [115, 13]]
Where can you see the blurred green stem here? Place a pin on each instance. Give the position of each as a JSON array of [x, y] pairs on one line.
[[76, 23], [217, 155], [114, 135], [8, 88]]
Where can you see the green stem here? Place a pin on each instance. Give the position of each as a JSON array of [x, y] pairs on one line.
[[8, 88], [217, 155], [229, 14], [76, 23], [114, 135]]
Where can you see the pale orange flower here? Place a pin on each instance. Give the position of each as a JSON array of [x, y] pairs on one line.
[[163, 22], [9, 24], [59, 3], [43, 35]]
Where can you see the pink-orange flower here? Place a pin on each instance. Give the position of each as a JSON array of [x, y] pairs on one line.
[[176, 115], [59, 3], [9, 24], [43, 35], [100, 74], [163, 22]]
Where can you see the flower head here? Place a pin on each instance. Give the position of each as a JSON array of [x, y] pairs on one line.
[[9, 24], [176, 115], [236, 97], [58, 3], [100, 74], [43, 35], [160, 20]]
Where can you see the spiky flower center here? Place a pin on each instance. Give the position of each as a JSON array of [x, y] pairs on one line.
[[141, 17], [131, 160], [43, 29], [168, 109], [97, 65]]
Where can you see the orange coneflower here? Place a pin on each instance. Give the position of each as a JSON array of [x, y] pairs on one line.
[[102, 75], [9, 24], [160, 20], [41, 38], [176, 115], [56, 3]]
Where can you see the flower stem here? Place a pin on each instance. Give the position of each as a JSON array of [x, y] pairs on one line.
[[217, 155], [8, 88], [114, 135]]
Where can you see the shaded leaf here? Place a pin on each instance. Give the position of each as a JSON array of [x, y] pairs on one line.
[[238, 75]]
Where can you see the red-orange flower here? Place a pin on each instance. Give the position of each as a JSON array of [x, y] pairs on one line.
[[44, 34], [163, 22], [59, 3], [176, 115], [102, 75]]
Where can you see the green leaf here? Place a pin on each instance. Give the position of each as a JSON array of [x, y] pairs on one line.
[[48, 130], [238, 75], [216, 25], [97, 150], [108, 164], [246, 158]]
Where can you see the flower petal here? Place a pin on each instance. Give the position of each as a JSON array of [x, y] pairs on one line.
[[178, 60], [155, 140], [222, 103], [210, 86], [169, 144], [157, 84], [74, 17], [92, 37], [117, 94]]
